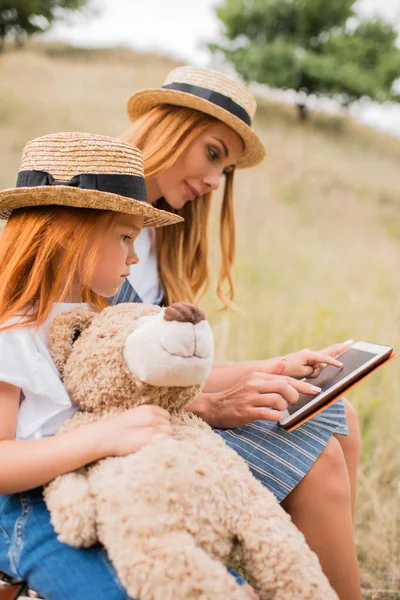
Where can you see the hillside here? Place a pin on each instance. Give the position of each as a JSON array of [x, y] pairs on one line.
[[318, 244]]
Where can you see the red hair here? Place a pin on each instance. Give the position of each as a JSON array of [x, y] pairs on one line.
[[42, 250]]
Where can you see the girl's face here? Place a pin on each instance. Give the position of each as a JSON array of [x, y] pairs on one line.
[[200, 168], [116, 254]]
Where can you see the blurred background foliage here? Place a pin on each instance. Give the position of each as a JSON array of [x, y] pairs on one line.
[[312, 46], [20, 19]]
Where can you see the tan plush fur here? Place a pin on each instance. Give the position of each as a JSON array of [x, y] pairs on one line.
[[170, 515]]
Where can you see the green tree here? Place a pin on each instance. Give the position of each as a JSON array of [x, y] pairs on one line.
[[22, 18], [314, 46]]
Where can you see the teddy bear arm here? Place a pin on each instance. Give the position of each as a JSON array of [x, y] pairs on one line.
[[71, 505], [277, 560], [172, 565], [72, 508]]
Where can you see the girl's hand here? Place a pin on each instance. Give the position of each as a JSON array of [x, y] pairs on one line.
[[252, 594], [307, 363], [255, 396], [129, 432]]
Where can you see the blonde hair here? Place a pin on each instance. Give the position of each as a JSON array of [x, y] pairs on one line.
[[42, 249], [163, 134]]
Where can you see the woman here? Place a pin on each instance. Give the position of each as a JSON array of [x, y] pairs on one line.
[[193, 132]]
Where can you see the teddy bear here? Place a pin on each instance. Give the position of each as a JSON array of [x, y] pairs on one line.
[[171, 514]]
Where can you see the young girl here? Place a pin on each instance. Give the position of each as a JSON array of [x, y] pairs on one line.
[[79, 205], [194, 132]]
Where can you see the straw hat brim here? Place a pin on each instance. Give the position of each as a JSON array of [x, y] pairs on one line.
[[143, 101], [24, 197]]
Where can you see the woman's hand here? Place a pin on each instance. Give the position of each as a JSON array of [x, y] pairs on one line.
[[129, 432], [255, 396], [307, 363]]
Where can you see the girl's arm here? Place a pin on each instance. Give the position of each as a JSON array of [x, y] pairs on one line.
[[29, 464]]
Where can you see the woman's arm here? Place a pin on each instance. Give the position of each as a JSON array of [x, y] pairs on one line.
[[249, 364], [304, 363], [238, 393], [224, 375], [29, 464]]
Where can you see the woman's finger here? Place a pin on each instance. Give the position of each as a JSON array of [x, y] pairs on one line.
[[312, 371], [336, 349], [277, 386], [275, 401], [316, 370], [304, 388], [320, 357], [265, 414]]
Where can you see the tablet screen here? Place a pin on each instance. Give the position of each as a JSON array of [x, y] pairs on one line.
[[352, 359]]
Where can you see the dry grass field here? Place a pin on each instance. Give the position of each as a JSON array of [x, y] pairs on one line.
[[318, 245]]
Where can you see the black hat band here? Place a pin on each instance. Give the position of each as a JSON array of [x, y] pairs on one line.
[[212, 96], [130, 186]]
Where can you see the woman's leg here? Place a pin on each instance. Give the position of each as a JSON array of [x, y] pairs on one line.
[[320, 505], [351, 446]]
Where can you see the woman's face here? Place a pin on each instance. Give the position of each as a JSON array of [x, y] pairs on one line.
[[200, 168]]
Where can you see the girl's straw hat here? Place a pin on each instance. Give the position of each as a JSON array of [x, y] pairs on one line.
[[209, 92], [86, 171]]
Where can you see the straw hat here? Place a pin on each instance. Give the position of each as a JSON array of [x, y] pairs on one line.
[[86, 171], [209, 92]]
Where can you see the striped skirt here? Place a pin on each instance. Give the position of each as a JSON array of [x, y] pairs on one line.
[[280, 459]]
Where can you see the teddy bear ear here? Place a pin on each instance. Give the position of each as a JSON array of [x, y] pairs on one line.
[[64, 331]]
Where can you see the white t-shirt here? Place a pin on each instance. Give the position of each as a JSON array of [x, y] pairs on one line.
[[144, 276], [25, 362]]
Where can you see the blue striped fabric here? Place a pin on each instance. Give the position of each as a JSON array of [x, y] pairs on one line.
[[277, 458], [280, 459], [126, 293]]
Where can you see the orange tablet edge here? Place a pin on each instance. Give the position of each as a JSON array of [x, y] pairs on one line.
[[339, 395]]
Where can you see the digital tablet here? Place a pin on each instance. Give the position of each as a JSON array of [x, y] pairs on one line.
[[358, 361]]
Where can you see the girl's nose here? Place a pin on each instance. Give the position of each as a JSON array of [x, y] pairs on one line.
[[133, 259]]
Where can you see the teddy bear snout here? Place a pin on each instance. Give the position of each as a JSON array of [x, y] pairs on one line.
[[183, 312], [176, 350], [187, 340]]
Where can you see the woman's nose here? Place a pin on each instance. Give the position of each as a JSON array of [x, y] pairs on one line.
[[212, 181]]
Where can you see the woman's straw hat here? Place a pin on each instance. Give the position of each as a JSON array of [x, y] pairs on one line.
[[209, 92], [83, 170]]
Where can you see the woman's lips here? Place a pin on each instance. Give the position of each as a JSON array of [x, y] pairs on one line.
[[191, 192]]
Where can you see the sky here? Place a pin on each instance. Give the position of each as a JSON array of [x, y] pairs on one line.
[[180, 28]]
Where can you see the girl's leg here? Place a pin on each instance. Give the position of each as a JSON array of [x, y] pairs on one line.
[[29, 550], [351, 447], [320, 506]]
